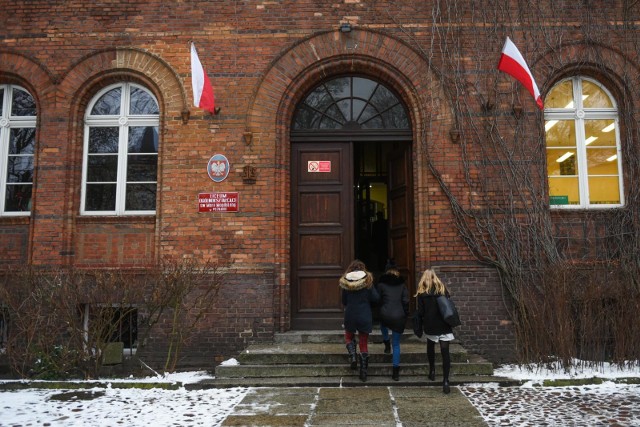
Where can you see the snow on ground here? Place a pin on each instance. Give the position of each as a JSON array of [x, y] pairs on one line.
[[527, 405]]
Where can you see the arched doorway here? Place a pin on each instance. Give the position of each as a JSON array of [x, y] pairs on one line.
[[351, 192]]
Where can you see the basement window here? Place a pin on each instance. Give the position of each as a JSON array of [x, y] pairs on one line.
[[111, 324], [4, 329]]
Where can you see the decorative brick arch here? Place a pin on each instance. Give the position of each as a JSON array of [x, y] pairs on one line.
[[27, 72], [114, 64], [99, 69], [296, 71]]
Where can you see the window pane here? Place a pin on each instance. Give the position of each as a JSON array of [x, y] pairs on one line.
[[319, 99], [22, 140], [339, 88], [20, 169], [599, 133], [334, 119], [100, 197], [604, 190], [22, 104], [1, 101], [141, 197], [143, 139], [304, 118], [374, 123], [345, 110], [564, 191], [363, 88], [594, 97], [602, 161], [102, 168], [561, 162], [103, 140], [142, 168], [561, 133], [383, 98], [18, 198], [108, 104], [561, 96], [395, 118], [142, 103]]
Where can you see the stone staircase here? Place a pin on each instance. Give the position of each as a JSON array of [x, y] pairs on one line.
[[319, 358]]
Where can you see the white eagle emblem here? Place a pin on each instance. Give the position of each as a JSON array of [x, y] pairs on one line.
[[218, 168]]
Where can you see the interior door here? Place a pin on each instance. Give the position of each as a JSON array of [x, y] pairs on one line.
[[321, 236], [401, 242]]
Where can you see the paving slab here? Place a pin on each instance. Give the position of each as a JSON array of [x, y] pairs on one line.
[[349, 406]]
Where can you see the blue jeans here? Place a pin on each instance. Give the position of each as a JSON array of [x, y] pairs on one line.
[[395, 343]]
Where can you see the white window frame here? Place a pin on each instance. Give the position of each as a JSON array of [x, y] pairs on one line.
[[123, 121], [579, 114], [8, 122]]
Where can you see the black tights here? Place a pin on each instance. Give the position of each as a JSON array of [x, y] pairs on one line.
[[446, 358]]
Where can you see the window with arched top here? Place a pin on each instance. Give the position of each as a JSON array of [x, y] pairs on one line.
[[120, 163], [584, 165], [350, 103], [17, 146]]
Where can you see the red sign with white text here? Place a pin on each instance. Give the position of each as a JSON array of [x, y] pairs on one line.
[[319, 166], [218, 202]]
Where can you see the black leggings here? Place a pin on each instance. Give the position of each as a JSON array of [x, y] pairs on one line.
[[446, 358]]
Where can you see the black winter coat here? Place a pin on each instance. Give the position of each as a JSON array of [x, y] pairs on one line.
[[432, 320], [357, 301], [394, 302]]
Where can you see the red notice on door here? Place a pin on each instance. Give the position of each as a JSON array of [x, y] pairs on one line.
[[319, 166], [218, 202]]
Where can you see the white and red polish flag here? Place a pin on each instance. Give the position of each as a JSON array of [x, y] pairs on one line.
[[202, 90], [512, 63]]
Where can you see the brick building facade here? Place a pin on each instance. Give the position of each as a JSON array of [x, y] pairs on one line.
[[264, 58]]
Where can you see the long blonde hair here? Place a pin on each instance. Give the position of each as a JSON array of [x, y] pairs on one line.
[[430, 284]]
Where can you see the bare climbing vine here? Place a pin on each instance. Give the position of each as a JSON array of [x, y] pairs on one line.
[[571, 280]]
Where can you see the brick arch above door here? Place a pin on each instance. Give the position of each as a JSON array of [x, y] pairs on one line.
[[372, 54]]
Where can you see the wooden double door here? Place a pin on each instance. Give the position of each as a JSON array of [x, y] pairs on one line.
[[324, 222]]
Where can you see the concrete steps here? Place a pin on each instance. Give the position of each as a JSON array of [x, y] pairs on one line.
[[319, 358]]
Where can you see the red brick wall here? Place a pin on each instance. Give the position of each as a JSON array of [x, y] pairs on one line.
[[262, 57]]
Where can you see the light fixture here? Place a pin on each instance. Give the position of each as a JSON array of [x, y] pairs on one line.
[[345, 27], [612, 158], [564, 157], [609, 128], [590, 140]]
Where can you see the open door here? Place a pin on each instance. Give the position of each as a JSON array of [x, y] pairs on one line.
[[321, 236], [401, 241]]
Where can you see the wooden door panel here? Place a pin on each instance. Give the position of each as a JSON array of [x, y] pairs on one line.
[[320, 250], [401, 214], [321, 231]]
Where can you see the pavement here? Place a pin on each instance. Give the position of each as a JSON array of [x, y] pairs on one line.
[[354, 406], [467, 405]]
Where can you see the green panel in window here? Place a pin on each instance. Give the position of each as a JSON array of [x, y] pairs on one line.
[[565, 187]]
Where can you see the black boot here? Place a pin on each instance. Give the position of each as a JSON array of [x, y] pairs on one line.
[[387, 347], [432, 373], [396, 373], [446, 366], [364, 363], [353, 359]]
